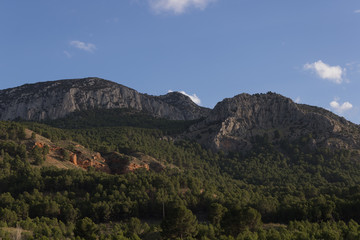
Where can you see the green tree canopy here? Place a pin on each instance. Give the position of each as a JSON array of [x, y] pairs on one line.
[[180, 222]]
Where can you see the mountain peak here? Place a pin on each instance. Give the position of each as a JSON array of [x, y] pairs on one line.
[[185, 104], [234, 122], [56, 99]]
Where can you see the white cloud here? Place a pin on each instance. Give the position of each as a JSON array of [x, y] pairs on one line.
[[332, 73], [357, 11], [340, 108], [298, 100], [193, 97], [88, 47], [67, 54], [178, 6]]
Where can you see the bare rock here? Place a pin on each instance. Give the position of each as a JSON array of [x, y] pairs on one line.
[[235, 122], [56, 99]]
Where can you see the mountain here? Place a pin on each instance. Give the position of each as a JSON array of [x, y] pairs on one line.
[[56, 99], [235, 122], [233, 125], [285, 170]]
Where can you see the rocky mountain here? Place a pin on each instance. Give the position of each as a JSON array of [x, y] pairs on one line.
[[56, 99], [189, 108], [235, 122], [232, 125]]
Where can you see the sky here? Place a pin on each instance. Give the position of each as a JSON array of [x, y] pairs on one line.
[[306, 50]]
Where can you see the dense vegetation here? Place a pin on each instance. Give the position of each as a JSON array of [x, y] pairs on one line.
[[96, 118], [278, 190]]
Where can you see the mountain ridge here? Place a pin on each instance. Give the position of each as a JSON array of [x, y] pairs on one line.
[[231, 125], [119, 169], [55, 99], [234, 122]]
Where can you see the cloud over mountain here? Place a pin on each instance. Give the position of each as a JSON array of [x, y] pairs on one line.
[[340, 108], [193, 97], [334, 74]]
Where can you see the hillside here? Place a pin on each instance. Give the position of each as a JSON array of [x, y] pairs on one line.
[[255, 167], [56, 99], [230, 126], [235, 122]]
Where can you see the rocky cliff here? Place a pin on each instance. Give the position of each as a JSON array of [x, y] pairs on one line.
[[55, 99], [232, 125], [235, 122]]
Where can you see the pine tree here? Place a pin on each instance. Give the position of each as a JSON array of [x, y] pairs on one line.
[[180, 222]]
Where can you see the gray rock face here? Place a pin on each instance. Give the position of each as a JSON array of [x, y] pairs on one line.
[[56, 99], [189, 108], [234, 122], [230, 126]]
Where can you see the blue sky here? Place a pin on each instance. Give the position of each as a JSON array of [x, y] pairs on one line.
[[306, 50]]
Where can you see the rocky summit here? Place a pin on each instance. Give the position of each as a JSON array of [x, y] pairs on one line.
[[232, 125], [56, 99], [235, 122]]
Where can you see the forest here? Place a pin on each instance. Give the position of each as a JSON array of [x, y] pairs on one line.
[[277, 190]]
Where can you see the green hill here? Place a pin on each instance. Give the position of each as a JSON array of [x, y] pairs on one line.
[[276, 190]]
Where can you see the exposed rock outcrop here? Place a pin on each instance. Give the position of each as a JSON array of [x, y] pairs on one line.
[[189, 108], [231, 126], [56, 99], [234, 122], [120, 163]]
